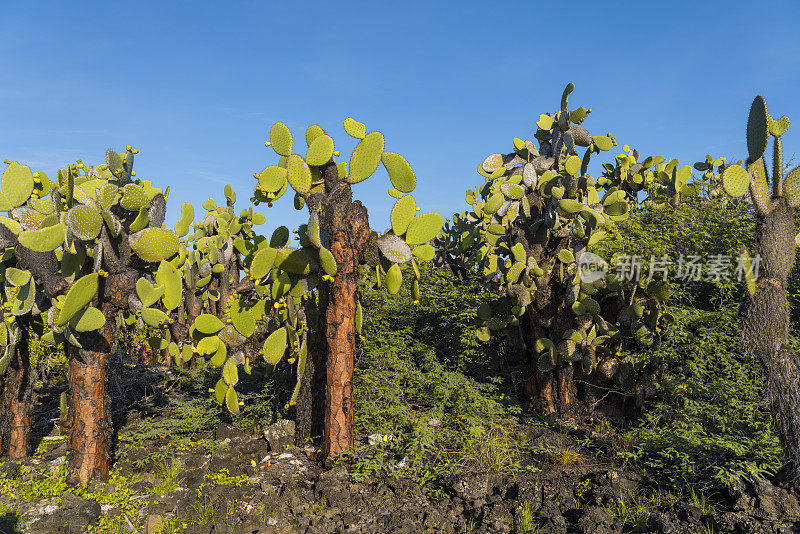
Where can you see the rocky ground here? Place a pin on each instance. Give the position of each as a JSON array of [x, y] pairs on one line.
[[233, 482]]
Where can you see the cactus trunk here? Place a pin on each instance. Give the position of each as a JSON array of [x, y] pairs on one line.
[[90, 429], [90, 425], [348, 226], [17, 395], [765, 328], [311, 398]]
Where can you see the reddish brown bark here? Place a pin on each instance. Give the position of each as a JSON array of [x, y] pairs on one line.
[[17, 398], [90, 426], [349, 231], [89, 439]]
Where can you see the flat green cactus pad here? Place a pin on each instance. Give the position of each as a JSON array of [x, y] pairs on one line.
[[603, 142], [275, 346], [241, 316], [573, 165], [17, 277], [171, 278], [79, 295], [185, 222], [298, 262], [312, 132], [134, 198], [394, 279], [232, 401], [757, 128], [736, 180], [281, 138], [230, 372], [298, 174], [424, 228], [155, 244], [327, 261], [148, 293], [512, 191], [208, 324], [354, 128], [45, 239], [84, 221], [17, 184], [114, 162], [778, 127], [759, 186], [492, 163], [11, 224], [791, 187], [400, 172], [493, 203], [424, 252], [153, 317], [273, 179], [262, 262], [366, 157], [320, 150], [402, 214]]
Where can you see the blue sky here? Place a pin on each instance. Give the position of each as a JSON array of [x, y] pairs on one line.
[[196, 85]]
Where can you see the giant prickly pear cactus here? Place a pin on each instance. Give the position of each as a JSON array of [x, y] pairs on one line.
[[96, 235], [532, 224], [765, 323], [28, 286], [334, 243]]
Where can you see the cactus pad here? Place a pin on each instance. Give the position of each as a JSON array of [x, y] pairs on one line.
[[84, 221], [603, 142], [394, 248], [757, 128], [207, 324], [394, 279], [298, 174], [365, 157], [44, 240], [272, 179], [153, 317], [262, 262], [134, 198], [791, 187], [79, 295], [281, 138], [492, 163], [354, 128], [148, 293], [187, 216], [759, 186], [779, 127], [424, 228], [275, 346], [320, 150], [402, 214], [400, 172], [736, 180], [424, 252], [154, 244], [327, 261], [17, 184]]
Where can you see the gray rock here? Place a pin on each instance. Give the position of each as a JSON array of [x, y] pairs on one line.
[[73, 516], [280, 435], [10, 469]]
